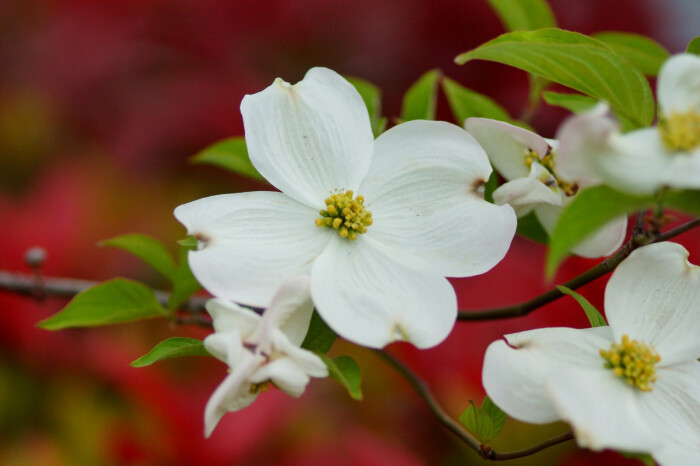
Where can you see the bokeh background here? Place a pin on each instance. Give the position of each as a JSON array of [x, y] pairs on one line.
[[101, 105]]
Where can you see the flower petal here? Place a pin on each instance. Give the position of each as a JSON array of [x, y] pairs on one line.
[[506, 145], [291, 309], [424, 193], [602, 242], [678, 87], [285, 374], [654, 297], [226, 346], [307, 361], [309, 138], [515, 368], [672, 407], [252, 242], [227, 316], [603, 411], [369, 299], [523, 193]]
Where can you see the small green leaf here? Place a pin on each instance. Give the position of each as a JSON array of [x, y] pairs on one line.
[[184, 284], [530, 228], [420, 100], [577, 103], [694, 46], [478, 422], [684, 200], [466, 103], [372, 97], [589, 210], [189, 242], [490, 186], [643, 458], [148, 249], [576, 61], [320, 337], [231, 154], [345, 370], [523, 14], [643, 52], [113, 302], [172, 348], [594, 316], [498, 417]]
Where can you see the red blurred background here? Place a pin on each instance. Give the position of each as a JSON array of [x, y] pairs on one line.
[[102, 103]]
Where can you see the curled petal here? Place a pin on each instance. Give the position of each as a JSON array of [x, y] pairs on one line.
[[227, 315], [226, 346], [290, 309], [654, 297], [516, 368], [309, 138], [524, 193], [307, 361], [679, 84], [285, 374], [369, 299]]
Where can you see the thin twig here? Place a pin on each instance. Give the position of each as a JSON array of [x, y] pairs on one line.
[[604, 268], [421, 388]]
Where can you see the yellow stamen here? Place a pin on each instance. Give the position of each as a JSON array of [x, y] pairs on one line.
[[547, 162], [681, 131], [632, 361], [346, 215]]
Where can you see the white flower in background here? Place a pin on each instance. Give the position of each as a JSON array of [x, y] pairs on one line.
[[529, 163], [377, 224], [261, 350], [632, 386], [644, 160]]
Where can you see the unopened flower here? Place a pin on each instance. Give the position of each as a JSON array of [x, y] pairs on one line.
[[529, 163], [377, 224], [632, 386], [642, 161], [261, 350]]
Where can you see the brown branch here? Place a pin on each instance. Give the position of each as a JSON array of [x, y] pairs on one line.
[[604, 268], [421, 388]]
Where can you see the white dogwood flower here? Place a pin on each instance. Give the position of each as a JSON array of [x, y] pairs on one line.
[[377, 224], [529, 163], [642, 161], [261, 350], [632, 386]]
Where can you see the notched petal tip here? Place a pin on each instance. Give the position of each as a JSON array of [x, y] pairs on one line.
[[478, 187]]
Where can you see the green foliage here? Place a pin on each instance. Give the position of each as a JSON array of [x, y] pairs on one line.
[[484, 422], [577, 103], [589, 210], [643, 52], [684, 200], [189, 242], [148, 249], [230, 154], [320, 337], [594, 316], [420, 101], [519, 15], [345, 370], [694, 46], [466, 103], [643, 458], [576, 61], [172, 348], [184, 283], [530, 228], [490, 186], [372, 97], [113, 302]]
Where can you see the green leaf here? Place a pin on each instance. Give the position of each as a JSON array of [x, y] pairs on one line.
[[372, 97], [694, 46], [189, 242], [643, 458], [490, 186], [113, 302], [523, 14], [684, 200], [530, 228], [184, 284], [589, 210], [466, 103], [576, 61], [478, 422], [420, 100], [320, 337], [172, 348], [345, 370], [594, 316], [643, 52], [231, 154], [148, 249], [498, 417], [577, 103]]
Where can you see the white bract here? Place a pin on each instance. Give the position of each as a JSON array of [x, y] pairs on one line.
[[529, 163], [642, 161], [632, 386], [261, 350], [377, 224]]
